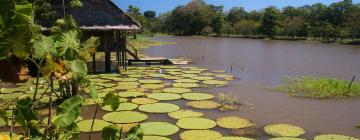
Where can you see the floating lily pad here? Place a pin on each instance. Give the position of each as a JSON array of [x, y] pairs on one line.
[[150, 81], [224, 76], [7, 90], [136, 75], [289, 138], [173, 70], [85, 125], [284, 130], [206, 74], [159, 128], [131, 94], [197, 96], [202, 78], [334, 137], [143, 101], [185, 85], [128, 83], [124, 117], [168, 67], [11, 96], [204, 104], [152, 86], [172, 77], [159, 108], [219, 71], [186, 81], [234, 122], [192, 72], [164, 96], [109, 75], [127, 126], [215, 82], [174, 73], [129, 79], [177, 90], [185, 114], [155, 138], [157, 75], [188, 75], [122, 107], [195, 123], [124, 87], [234, 138], [200, 135]]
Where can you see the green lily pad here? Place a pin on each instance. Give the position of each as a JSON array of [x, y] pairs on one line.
[[234, 138], [200, 135], [126, 126], [174, 73], [109, 75], [125, 117], [164, 96], [150, 81], [234, 122], [215, 82], [188, 75], [128, 83], [159, 108], [85, 125], [207, 74], [129, 79], [131, 94], [219, 71], [186, 81], [155, 138], [122, 107], [152, 86], [284, 130], [202, 78], [197, 96], [136, 75], [224, 76], [157, 75], [196, 123], [173, 70], [125, 87], [191, 72], [11, 96], [287, 138], [203, 104], [177, 90], [7, 90], [168, 67], [159, 128], [334, 137], [185, 85], [144, 101], [172, 77], [2, 122], [185, 114]]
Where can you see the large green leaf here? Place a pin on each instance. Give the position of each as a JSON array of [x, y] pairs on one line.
[[135, 133], [78, 69], [23, 13], [89, 47], [68, 111], [110, 132], [68, 45], [26, 117], [7, 11], [70, 132], [44, 45], [112, 100]]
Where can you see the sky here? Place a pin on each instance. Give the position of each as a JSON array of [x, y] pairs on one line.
[[162, 6]]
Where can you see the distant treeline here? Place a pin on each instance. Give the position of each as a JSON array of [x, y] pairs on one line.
[[338, 21]]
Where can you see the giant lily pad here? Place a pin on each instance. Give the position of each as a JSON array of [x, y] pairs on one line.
[[284, 130], [150, 81], [85, 125], [129, 79], [215, 82], [159, 108], [164, 96], [234, 122], [127, 126], [188, 75], [288, 138], [195, 123], [172, 77], [155, 138], [334, 137], [197, 96], [125, 117], [124, 87], [204, 104], [152, 86], [202, 78], [131, 94], [185, 85], [143, 101], [185, 114], [191, 72], [7, 90], [122, 107], [186, 81], [177, 90], [200, 135], [159, 128], [234, 138]]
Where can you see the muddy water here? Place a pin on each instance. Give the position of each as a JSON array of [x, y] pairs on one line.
[[260, 64]]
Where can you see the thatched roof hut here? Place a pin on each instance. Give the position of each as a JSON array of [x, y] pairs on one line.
[[94, 15], [100, 18]]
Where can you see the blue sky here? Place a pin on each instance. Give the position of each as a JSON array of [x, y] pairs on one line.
[[161, 6]]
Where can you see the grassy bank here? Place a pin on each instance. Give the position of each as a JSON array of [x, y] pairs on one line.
[[319, 87]]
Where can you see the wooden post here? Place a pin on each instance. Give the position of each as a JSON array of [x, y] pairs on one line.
[[107, 53], [94, 62]]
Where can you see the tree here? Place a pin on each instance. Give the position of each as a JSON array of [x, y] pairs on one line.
[[236, 14], [247, 27], [270, 21], [150, 14]]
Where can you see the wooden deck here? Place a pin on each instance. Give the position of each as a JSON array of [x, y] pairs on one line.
[[159, 61]]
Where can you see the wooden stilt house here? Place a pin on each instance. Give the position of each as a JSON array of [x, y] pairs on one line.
[[101, 18]]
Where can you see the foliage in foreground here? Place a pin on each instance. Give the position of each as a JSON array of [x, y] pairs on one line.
[[319, 87]]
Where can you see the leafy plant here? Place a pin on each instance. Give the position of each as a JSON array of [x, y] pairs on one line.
[[227, 100]]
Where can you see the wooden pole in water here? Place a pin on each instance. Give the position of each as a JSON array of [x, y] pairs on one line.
[[349, 87], [231, 67]]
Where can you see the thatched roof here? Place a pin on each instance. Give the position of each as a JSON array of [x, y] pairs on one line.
[[95, 15]]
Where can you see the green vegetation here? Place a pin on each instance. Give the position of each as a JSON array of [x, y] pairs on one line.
[[319, 87], [338, 22]]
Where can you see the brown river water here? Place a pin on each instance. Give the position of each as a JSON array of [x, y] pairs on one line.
[[259, 66]]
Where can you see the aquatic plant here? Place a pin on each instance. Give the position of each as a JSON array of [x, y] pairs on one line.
[[233, 122], [196, 96], [319, 87], [159, 128], [195, 123], [205, 104], [284, 130], [185, 114], [334, 137], [159, 108], [124, 117], [227, 100], [200, 135], [234, 138]]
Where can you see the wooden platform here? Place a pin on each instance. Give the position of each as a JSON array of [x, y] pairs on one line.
[[151, 60]]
